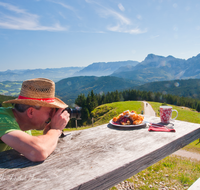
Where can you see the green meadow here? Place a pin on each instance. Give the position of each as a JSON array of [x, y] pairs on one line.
[[172, 173]]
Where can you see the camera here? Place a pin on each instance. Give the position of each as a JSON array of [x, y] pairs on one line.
[[74, 113]]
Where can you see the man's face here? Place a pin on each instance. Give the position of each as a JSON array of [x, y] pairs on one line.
[[42, 117]]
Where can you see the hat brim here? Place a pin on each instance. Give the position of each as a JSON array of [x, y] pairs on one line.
[[56, 104]]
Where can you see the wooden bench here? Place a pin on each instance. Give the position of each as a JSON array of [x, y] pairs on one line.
[[96, 158]]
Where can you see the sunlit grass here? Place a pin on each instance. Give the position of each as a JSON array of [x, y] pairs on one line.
[[104, 113], [171, 172], [193, 147], [184, 114]]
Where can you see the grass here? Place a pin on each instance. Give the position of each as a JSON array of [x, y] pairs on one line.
[[193, 147], [171, 172], [184, 114]]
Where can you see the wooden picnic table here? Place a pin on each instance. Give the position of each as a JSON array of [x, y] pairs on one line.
[[95, 158]]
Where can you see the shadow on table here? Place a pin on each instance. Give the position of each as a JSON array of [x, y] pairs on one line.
[[126, 128], [12, 159]]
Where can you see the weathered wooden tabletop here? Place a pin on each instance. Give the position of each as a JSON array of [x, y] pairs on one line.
[[96, 158]]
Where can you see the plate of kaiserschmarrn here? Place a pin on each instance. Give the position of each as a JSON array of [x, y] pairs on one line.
[[128, 119]]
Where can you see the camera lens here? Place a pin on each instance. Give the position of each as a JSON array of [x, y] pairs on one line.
[[74, 113]]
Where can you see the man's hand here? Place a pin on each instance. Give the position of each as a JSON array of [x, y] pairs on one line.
[[59, 119]]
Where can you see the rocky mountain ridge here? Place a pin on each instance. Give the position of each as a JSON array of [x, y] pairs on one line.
[[159, 68], [153, 68]]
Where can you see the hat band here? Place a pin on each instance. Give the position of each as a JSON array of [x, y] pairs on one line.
[[40, 99]]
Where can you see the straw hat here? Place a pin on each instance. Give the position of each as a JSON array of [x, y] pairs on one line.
[[38, 92]]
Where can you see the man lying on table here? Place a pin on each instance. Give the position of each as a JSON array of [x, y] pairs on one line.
[[34, 109]]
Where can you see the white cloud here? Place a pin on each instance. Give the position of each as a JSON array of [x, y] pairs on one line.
[[20, 19], [135, 31], [12, 8], [123, 24], [118, 28], [121, 7], [63, 5], [67, 7], [119, 17]]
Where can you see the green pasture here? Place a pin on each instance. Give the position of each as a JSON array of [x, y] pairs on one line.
[[184, 114], [170, 173]]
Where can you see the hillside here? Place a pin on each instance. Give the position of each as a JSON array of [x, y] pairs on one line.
[[4, 98], [70, 88], [10, 88], [185, 88]]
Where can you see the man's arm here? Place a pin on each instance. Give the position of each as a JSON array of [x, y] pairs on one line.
[[35, 148], [38, 148]]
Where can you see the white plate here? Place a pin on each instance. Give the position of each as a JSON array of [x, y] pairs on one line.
[[112, 123]]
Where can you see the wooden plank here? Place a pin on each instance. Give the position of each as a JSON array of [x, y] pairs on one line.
[[96, 158]]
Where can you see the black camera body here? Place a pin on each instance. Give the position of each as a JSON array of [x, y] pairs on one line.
[[74, 113]]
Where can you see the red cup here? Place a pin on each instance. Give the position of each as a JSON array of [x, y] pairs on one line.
[[166, 114]]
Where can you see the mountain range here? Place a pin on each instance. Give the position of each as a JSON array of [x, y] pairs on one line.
[[159, 68], [153, 68], [103, 68], [54, 74], [103, 77]]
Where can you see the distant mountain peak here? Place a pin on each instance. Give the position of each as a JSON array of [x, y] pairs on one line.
[[152, 57], [198, 55], [170, 56]]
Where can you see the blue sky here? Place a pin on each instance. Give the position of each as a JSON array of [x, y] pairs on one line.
[[63, 33]]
